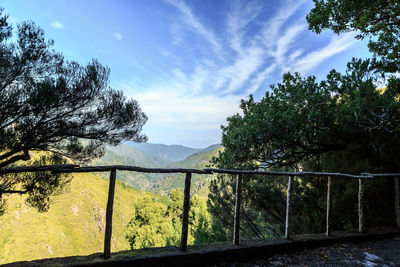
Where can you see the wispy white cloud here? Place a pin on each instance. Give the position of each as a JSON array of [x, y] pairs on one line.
[[230, 76], [270, 43], [184, 110], [260, 78], [245, 65], [192, 23], [180, 76], [117, 36], [286, 41], [295, 55], [311, 60], [248, 51], [272, 28], [240, 16], [57, 25]]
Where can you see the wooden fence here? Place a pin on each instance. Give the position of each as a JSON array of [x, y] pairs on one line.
[[70, 168]]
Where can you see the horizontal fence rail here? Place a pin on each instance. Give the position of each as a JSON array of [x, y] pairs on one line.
[[298, 174], [38, 168], [69, 168], [240, 174]]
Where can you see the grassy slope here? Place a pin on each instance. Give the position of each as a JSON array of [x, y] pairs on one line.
[[74, 225], [199, 160]]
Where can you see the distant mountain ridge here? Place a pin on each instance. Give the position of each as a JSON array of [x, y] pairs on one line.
[[169, 153], [149, 156], [125, 155], [211, 148], [138, 157], [198, 160]]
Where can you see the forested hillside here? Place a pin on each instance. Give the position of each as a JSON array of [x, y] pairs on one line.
[[125, 154], [200, 182], [168, 153]]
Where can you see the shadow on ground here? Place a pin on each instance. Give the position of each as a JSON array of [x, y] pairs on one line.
[[378, 246]]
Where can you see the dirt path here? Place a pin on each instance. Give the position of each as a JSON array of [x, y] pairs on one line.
[[378, 253]]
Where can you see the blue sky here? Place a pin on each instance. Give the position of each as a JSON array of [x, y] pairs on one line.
[[189, 63]]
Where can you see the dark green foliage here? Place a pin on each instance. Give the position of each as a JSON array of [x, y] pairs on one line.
[[379, 20], [157, 224], [41, 185], [341, 124], [221, 202], [258, 196], [54, 105], [199, 160], [301, 119], [150, 227]]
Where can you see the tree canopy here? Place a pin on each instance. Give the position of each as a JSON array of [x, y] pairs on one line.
[[346, 122], [341, 124], [301, 119], [54, 105], [379, 20], [157, 224]]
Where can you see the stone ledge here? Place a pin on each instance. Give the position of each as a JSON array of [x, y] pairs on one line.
[[199, 255]]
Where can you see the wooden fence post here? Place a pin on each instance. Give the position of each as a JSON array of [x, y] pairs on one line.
[[360, 205], [109, 212], [397, 201], [288, 207], [236, 225], [328, 207], [185, 216]]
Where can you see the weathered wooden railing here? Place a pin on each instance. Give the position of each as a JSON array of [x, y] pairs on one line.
[[70, 168]]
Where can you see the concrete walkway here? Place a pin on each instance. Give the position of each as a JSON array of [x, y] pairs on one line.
[[375, 253], [300, 251]]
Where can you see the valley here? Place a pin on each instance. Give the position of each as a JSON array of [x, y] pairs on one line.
[[74, 224], [161, 156]]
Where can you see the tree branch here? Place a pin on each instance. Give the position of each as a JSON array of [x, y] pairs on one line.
[[13, 192], [10, 153], [24, 157]]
